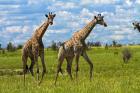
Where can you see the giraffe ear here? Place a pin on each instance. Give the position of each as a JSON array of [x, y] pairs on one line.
[[95, 17], [133, 23], [46, 15], [54, 15]]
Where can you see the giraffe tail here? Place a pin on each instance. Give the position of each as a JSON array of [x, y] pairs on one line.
[[25, 70], [25, 66], [61, 56]]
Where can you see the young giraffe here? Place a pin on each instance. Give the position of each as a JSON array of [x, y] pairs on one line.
[[34, 47], [76, 47], [136, 25]]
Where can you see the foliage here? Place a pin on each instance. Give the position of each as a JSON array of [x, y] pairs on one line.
[[126, 55], [11, 47], [106, 46], [0, 47], [53, 46], [96, 44], [114, 43], [19, 46]]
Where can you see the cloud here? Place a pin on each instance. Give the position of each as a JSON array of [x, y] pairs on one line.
[[84, 2], [117, 37], [59, 5], [20, 18], [13, 29], [137, 1], [59, 31]]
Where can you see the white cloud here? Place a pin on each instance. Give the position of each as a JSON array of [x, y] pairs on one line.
[[62, 5], [86, 12], [129, 2], [13, 29], [57, 31], [18, 29], [84, 2], [36, 2], [70, 16], [117, 37], [63, 14], [137, 1]]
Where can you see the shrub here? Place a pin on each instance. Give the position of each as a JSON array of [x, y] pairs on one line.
[[126, 55]]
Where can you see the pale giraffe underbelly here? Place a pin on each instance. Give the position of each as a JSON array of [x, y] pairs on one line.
[[71, 48]]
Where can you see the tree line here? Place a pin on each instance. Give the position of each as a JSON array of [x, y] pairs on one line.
[[55, 45]]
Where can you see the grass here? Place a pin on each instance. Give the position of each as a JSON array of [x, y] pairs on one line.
[[111, 75]]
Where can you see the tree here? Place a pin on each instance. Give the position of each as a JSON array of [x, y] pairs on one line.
[[19, 46], [54, 46], [0, 47], [114, 43], [11, 47], [97, 44], [106, 46]]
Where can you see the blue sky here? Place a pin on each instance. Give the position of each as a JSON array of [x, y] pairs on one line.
[[20, 18]]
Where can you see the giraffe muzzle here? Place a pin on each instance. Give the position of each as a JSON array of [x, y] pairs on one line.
[[51, 23]]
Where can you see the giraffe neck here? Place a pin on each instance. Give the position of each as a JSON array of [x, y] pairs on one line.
[[87, 29], [41, 30]]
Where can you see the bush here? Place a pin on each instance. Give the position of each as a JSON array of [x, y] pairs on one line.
[[126, 55]]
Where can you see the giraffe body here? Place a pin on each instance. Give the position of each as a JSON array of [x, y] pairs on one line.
[[34, 48], [76, 47]]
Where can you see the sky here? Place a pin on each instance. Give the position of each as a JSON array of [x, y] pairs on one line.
[[20, 18]]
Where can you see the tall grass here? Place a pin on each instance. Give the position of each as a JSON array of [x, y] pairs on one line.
[[111, 75]]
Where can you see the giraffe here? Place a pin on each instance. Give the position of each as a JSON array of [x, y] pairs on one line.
[[76, 47], [136, 25], [34, 48]]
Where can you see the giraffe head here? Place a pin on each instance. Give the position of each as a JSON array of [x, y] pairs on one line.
[[136, 25], [100, 20], [50, 17]]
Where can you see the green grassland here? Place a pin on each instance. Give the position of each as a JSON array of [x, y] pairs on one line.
[[111, 75]]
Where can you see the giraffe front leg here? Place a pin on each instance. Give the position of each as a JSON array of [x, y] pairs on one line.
[[43, 65], [35, 54], [85, 56]]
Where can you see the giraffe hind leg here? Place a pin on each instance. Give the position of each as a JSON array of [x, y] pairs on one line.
[[77, 65], [69, 65], [60, 61]]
